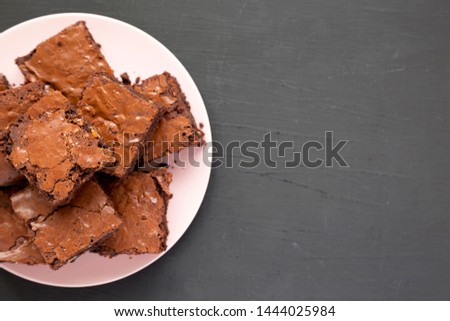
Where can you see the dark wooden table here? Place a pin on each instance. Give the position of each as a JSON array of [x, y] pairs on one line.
[[375, 73]]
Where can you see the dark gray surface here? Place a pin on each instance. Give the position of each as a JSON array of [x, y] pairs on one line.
[[374, 72]]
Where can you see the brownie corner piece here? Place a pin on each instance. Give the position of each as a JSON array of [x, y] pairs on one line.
[[65, 60], [141, 200], [123, 118], [177, 128], [53, 149], [76, 227]]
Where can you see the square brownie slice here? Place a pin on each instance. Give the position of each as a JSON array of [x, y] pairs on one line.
[[141, 200], [122, 118], [177, 128], [74, 228], [16, 244], [65, 60], [53, 147], [14, 103], [4, 84]]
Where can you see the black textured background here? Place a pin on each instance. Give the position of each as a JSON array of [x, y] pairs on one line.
[[374, 72]]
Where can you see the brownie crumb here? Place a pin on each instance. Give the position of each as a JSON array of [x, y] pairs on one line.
[[16, 241]]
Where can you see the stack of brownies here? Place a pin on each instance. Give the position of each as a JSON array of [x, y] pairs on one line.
[[70, 141]]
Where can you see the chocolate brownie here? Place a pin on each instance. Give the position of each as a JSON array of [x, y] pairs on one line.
[[29, 205], [53, 147], [16, 101], [122, 118], [4, 84], [8, 174], [177, 128], [13, 103], [75, 228], [15, 239], [65, 60], [141, 200]]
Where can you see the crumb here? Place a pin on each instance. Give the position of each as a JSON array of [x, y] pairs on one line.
[[125, 79]]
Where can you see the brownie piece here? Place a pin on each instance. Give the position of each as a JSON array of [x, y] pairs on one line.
[[123, 119], [75, 228], [4, 84], [13, 103], [53, 148], [9, 176], [25, 252], [15, 239], [141, 200], [16, 101], [65, 60], [177, 128]]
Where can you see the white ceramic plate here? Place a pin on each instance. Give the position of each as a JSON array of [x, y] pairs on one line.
[[131, 50]]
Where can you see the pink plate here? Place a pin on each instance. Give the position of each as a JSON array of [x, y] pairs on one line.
[[131, 50]]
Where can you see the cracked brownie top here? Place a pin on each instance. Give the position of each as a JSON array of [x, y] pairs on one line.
[[74, 228], [123, 118], [13, 103]]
